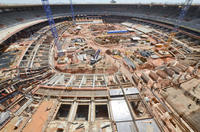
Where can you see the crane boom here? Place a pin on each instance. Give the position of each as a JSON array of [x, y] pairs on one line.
[[52, 26], [95, 57], [72, 10]]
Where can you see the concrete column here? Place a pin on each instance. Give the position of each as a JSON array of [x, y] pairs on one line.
[[105, 80], [83, 79], [92, 118], [73, 112], [94, 78], [70, 81]]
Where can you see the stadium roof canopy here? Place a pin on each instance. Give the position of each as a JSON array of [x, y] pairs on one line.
[[29, 2]]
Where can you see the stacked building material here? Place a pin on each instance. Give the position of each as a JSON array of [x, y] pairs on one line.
[[135, 79], [129, 63], [169, 72], [162, 74], [175, 69], [4, 116], [145, 78], [145, 53], [182, 67], [153, 76]]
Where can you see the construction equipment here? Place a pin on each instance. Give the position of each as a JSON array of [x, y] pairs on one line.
[[182, 14], [52, 26], [170, 38], [95, 58], [72, 10], [97, 54]]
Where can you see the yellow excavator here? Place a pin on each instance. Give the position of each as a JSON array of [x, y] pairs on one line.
[[170, 39]]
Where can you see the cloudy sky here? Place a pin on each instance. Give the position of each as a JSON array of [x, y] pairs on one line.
[[93, 1]]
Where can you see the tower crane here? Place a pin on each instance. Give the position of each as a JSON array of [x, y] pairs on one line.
[[72, 10], [95, 58], [52, 26], [49, 16], [181, 16]]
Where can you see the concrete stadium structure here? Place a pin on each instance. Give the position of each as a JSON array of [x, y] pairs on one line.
[[138, 82]]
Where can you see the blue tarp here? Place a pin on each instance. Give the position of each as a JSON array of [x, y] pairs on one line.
[[117, 31]]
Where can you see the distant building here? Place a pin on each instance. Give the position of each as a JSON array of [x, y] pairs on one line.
[[113, 1]]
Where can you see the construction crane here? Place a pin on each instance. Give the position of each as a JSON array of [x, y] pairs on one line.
[[72, 10], [95, 58], [52, 26], [97, 54], [181, 16]]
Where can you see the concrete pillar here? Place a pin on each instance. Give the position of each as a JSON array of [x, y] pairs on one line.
[[70, 81], [72, 112], [94, 79], [82, 81]]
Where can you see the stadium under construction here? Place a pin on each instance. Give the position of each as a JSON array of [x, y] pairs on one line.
[[100, 67]]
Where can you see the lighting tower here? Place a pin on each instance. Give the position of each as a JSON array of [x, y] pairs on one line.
[[52, 26]]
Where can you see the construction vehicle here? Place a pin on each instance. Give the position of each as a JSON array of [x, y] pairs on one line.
[[128, 53], [95, 58], [117, 57], [182, 14], [72, 10]]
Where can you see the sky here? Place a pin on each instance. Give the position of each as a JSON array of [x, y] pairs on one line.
[[93, 1]]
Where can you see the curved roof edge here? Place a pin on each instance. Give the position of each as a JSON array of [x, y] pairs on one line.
[[30, 5]]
